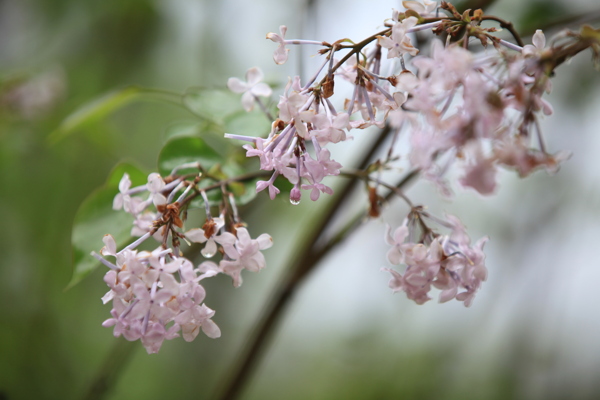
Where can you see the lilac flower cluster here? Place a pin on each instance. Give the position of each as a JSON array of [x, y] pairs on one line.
[[478, 109], [156, 294], [446, 262], [481, 109]]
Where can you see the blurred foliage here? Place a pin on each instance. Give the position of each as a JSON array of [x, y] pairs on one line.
[[538, 13], [58, 55], [95, 217]]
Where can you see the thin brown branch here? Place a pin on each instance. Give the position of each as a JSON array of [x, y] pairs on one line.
[[506, 25], [106, 378], [307, 259]]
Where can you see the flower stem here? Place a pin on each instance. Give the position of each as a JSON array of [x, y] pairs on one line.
[[310, 253], [111, 369]]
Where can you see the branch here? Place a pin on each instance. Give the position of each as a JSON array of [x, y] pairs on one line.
[[107, 376], [234, 383]]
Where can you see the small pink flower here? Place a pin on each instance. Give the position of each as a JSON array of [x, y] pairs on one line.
[[330, 130], [252, 88], [281, 54], [399, 43]]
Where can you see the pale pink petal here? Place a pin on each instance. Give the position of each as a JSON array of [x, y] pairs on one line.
[[211, 329], [539, 39], [264, 241], [248, 101], [280, 55], [414, 5], [159, 200], [196, 235], [110, 246], [124, 183], [236, 85], [262, 89], [155, 183], [253, 76]]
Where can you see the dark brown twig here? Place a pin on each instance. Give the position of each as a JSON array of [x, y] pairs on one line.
[[309, 256]]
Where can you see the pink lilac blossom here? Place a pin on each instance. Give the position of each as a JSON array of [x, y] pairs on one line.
[[446, 262], [157, 295], [399, 43], [251, 89], [281, 54], [424, 9], [243, 252]]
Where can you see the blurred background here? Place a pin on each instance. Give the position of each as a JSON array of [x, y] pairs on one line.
[[532, 333]]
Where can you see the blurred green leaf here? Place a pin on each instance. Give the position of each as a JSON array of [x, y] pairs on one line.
[[106, 104], [538, 13], [96, 218], [183, 150], [252, 123], [210, 133], [214, 105], [243, 192], [185, 128], [137, 176]]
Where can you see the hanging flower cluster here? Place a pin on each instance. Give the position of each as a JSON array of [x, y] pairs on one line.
[[446, 262], [157, 294], [478, 108]]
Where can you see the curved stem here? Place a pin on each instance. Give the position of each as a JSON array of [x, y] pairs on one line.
[[309, 255], [354, 222], [218, 185], [105, 379], [507, 25], [367, 177]]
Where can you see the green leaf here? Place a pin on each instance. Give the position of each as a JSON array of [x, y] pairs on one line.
[[102, 106], [137, 176], [184, 129], [94, 111], [252, 123], [96, 218], [243, 192], [212, 104], [183, 150]]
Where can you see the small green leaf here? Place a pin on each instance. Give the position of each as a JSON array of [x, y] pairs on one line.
[[183, 150], [244, 192], [212, 104], [94, 111], [184, 128], [96, 218], [252, 123], [136, 175], [108, 103]]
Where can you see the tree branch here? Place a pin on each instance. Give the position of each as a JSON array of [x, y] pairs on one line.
[[242, 369]]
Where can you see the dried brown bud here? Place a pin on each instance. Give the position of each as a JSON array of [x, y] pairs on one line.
[[209, 228], [328, 88], [278, 124], [374, 203]]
